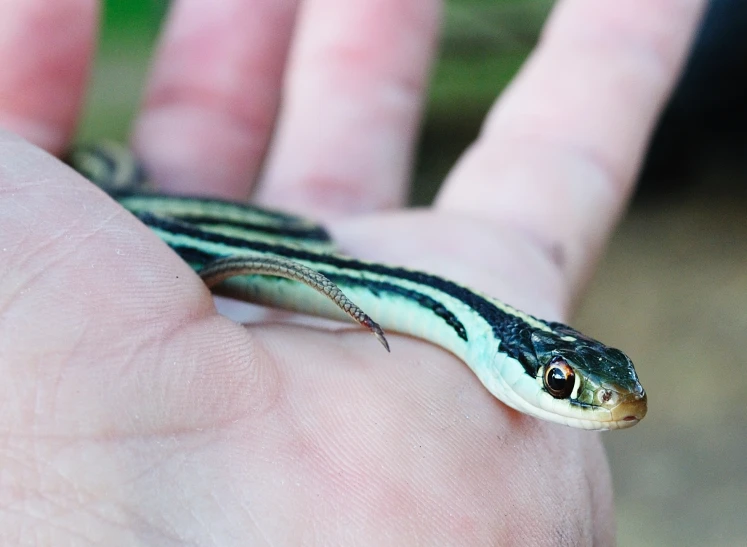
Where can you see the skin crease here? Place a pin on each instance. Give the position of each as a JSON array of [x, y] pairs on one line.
[[131, 413]]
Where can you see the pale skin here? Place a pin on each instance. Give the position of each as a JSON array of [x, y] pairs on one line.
[[131, 412]]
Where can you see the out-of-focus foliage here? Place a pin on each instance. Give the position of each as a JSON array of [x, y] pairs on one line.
[[483, 44]]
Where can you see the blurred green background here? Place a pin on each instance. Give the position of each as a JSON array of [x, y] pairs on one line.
[[672, 289]]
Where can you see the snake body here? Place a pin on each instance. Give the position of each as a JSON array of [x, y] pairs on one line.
[[545, 369]]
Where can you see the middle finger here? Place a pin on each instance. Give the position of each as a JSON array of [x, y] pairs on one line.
[[351, 104], [213, 94]]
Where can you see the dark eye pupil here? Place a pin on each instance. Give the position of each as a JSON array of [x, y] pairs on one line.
[[559, 379], [556, 379]]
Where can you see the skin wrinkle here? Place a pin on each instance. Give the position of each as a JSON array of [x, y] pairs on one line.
[[55, 255], [347, 187], [41, 272], [78, 493], [82, 327], [18, 462], [260, 399], [147, 531], [11, 295], [587, 155], [239, 152], [260, 395], [549, 128], [608, 183], [255, 522], [354, 74], [253, 123], [57, 498], [170, 453], [661, 50], [157, 468], [576, 252], [326, 190]]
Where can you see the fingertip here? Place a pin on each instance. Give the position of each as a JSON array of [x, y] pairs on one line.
[[213, 94], [46, 50]]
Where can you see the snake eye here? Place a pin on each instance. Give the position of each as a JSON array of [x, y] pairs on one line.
[[559, 378]]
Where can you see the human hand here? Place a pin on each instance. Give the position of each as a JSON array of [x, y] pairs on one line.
[[132, 412]]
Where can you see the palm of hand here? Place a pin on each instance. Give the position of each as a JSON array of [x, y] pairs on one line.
[[187, 416]]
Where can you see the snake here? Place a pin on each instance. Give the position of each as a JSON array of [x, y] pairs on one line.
[[544, 369]]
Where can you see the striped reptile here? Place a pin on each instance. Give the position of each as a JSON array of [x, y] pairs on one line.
[[545, 369]]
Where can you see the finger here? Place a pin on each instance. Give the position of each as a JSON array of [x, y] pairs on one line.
[[352, 101], [213, 94], [558, 154], [45, 54]]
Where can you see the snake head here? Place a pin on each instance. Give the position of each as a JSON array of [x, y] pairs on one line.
[[596, 382]]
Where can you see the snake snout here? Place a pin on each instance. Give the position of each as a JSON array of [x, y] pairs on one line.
[[631, 408]]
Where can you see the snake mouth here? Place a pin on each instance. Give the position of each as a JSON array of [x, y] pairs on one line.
[[630, 410]]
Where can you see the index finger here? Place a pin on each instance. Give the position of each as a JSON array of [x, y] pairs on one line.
[[558, 154], [45, 51]]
